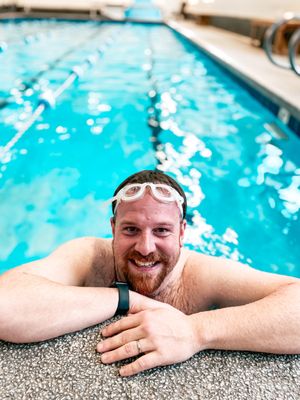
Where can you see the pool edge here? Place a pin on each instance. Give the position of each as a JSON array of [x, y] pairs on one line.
[[272, 101]]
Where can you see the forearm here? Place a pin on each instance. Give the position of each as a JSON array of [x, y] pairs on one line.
[[35, 309], [270, 325]]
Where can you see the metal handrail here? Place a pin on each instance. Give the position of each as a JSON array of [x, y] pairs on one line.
[[294, 42], [270, 34]]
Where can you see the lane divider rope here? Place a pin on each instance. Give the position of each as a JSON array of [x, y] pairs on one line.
[[48, 98], [4, 102]]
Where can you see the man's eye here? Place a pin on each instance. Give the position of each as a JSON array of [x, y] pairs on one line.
[[130, 230], [162, 231]]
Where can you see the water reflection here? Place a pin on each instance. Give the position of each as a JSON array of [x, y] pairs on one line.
[[279, 176], [46, 214], [202, 236]]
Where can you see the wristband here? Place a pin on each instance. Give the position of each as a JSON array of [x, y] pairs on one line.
[[123, 304]]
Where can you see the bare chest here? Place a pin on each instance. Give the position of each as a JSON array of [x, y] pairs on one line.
[[185, 297]]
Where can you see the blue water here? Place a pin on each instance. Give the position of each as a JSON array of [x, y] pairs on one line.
[[143, 10], [151, 101]]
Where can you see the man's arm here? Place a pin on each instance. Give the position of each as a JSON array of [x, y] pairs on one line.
[[258, 311], [271, 324], [43, 299], [261, 312], [35, 309]]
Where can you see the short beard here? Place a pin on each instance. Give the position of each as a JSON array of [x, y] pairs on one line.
[[146, 283]]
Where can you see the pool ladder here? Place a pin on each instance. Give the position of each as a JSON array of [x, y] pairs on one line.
[[293, 43]]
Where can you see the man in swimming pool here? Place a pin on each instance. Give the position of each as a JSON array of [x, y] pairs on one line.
[[179, 303]]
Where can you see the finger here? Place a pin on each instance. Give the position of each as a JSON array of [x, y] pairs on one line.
[[129, 350], [136, 308], [149, 360], [147, 304], [119, 340], [120, 326]]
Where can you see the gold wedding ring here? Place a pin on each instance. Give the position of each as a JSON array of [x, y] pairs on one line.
[[138, 347]]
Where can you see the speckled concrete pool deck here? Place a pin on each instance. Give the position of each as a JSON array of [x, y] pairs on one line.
[[68, 368]]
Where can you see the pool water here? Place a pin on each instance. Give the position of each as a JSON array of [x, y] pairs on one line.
[[143, 10], [151, 100]]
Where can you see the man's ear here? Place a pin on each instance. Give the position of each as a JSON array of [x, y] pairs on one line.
[[182, 230], [113, 225]]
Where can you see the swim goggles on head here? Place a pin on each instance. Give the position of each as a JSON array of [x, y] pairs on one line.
[[160, 191]]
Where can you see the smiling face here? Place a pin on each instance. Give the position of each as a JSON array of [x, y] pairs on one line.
[[147, 237]]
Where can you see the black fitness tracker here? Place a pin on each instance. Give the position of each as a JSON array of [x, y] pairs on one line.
[[123, 304]]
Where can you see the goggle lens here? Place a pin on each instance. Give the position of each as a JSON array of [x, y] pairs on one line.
[[132, 191], [163, 192]]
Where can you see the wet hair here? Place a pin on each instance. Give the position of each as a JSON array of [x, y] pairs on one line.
[[153, 177]]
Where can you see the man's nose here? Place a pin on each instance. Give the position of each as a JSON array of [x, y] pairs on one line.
[[145, 244]]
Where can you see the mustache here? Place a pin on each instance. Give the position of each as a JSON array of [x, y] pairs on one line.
[[151, 258]]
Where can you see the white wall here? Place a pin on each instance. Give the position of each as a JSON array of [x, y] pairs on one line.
[[168, 6], [6, 2], [238, 8], [66, 4], [246, 8]]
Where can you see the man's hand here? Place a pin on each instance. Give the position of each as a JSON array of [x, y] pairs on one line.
[[138, 302], [162, 336]]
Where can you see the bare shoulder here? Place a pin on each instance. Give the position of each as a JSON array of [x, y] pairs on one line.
[[197, 278], [84, 248], [227, 283], [101, 272], [70, 263]]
